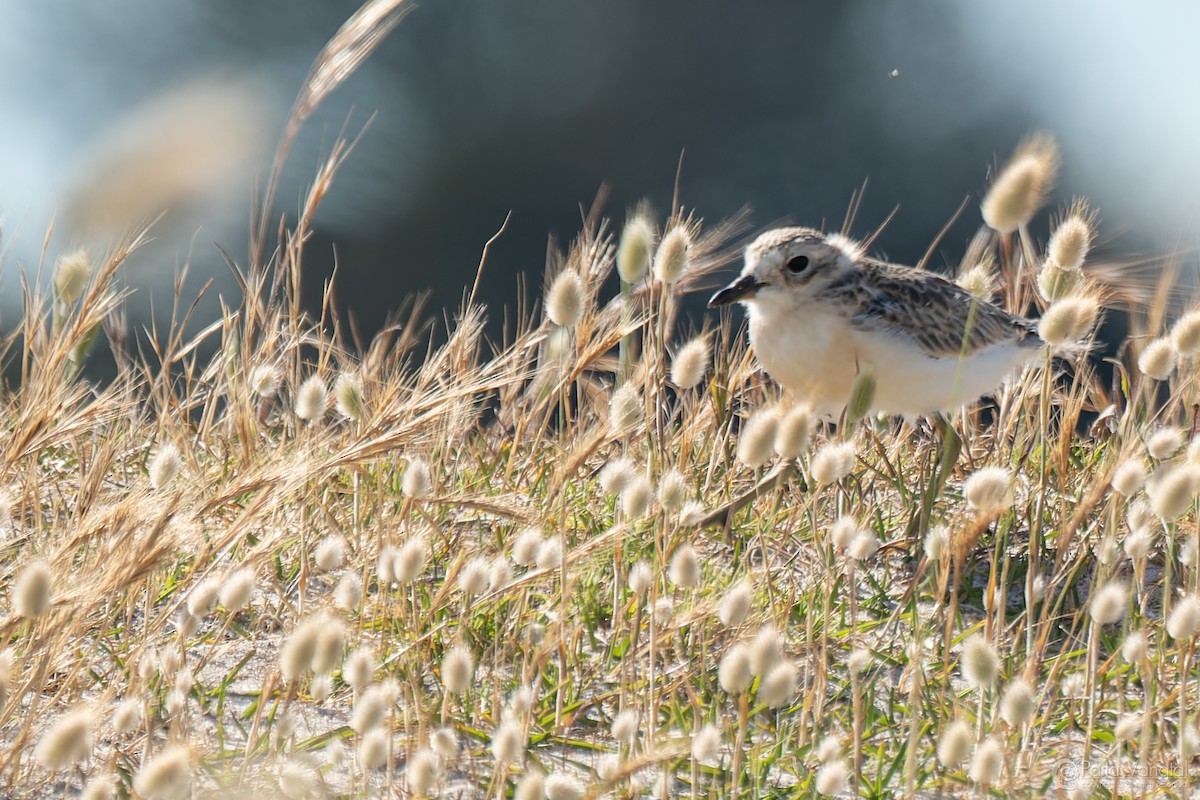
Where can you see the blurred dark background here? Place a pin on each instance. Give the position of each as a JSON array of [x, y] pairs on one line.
[[482, 107]]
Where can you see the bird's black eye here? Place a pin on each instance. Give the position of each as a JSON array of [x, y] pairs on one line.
[[797, 264]]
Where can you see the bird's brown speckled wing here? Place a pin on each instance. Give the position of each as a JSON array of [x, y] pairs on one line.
[[943, 319]]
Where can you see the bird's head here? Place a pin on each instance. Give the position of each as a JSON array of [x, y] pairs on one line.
[[788, 264]]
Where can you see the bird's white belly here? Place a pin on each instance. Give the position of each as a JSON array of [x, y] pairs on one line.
[[817, 357]]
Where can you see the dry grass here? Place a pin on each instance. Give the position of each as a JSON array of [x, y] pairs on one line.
[[393, 514]]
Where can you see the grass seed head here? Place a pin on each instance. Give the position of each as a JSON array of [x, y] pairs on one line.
[[526, 546], [1129, 477], [67, 742], [202, 599], [980, 664], [320, 688], [264, 380], [625, 727], [1018, 703], [794, 434], [864, 545], [508, 743], [1158, 359], [417, 482], [706, 744], [766, 650], [566, 299], [843, 531], [673, 490], [1068, 320], [937, 543], [1164, 443], [458, 670], [101, 787], [858, 661], [410, 561], [348, 393], [1135, 648], [988, 761], [674, 253], [331, 645], [636, 497], [359, 669], [954, 745], [989, 490], [1184, 621], [312, 399], [639, 579], [1138, 545], [330, 553], [733, 673], [1109, 603], [561, 786], [1185, 334], [625, 409], [347, 595], [500, 573], [979, 280], [616, 475], [71, 275], [237, 589], [444, 742], [832, 778], [832, 462], [690, 363], [421, 772], [1127, 727], [298, 781], [127, 716], [166, 776], [1056, 284], [684, 570], [636, 248], [33, 590], [1072, 239], [1171, 494], [370, 711], [165, 465], [373, 749], [735, 605], [756, 441], [473, 578], [829, 748], [296, 656], [1020, 188], [550, 553], [663, 611]]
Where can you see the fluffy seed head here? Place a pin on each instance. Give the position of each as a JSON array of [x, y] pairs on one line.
[[625, 727], [1127, 727], [444, 742], [1171, 495], [1068, 319], [499, 573], [565, 299], [202, 599], [1074, 686], [673, 490], [532, 786], [1184, 621], [1071, 240], [1109, 603], [980, 663], [411, 559], [320, 687], [331, 644], [690, 363], [348, 392], [864, 545], [1018, 703], [1057, 284], [347, 595], [1135, 647], [636, 248], [829, 749], [312, 398], [862, 395], [526, 545], [1138, 544], [832, 462], [560, 786], [671, 260], [237, 589], [165, 465], [1020, 188], [1165, 443], [550, 553], [373, 749], [663, 611], [988, 490], [417, 481], [127, 715], [473, 578], [706, 744], [370, 710], [794, 434], [640, 577], [330, 553], [264, 380], [843, 531], [167, 776], [102, 787], [734, 673], [636, 497], [979, 280], [68, 741], [625, 409], [1158, 359], [421, 772], [616, 475], [458, 670], [1129, 477], [296, 656], [359, 669], [756, 442], [684, 570], [297, 781], [735, 605], [1185, 334], [508, 743], [832, 778], [71, 274], [32, 592], [937, 543], [988, 761], [766, 650], [954, 746]]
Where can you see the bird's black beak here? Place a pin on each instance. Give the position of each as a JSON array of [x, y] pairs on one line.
[[743, 287]]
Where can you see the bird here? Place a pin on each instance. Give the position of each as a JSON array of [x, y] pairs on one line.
[[821, 312]]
